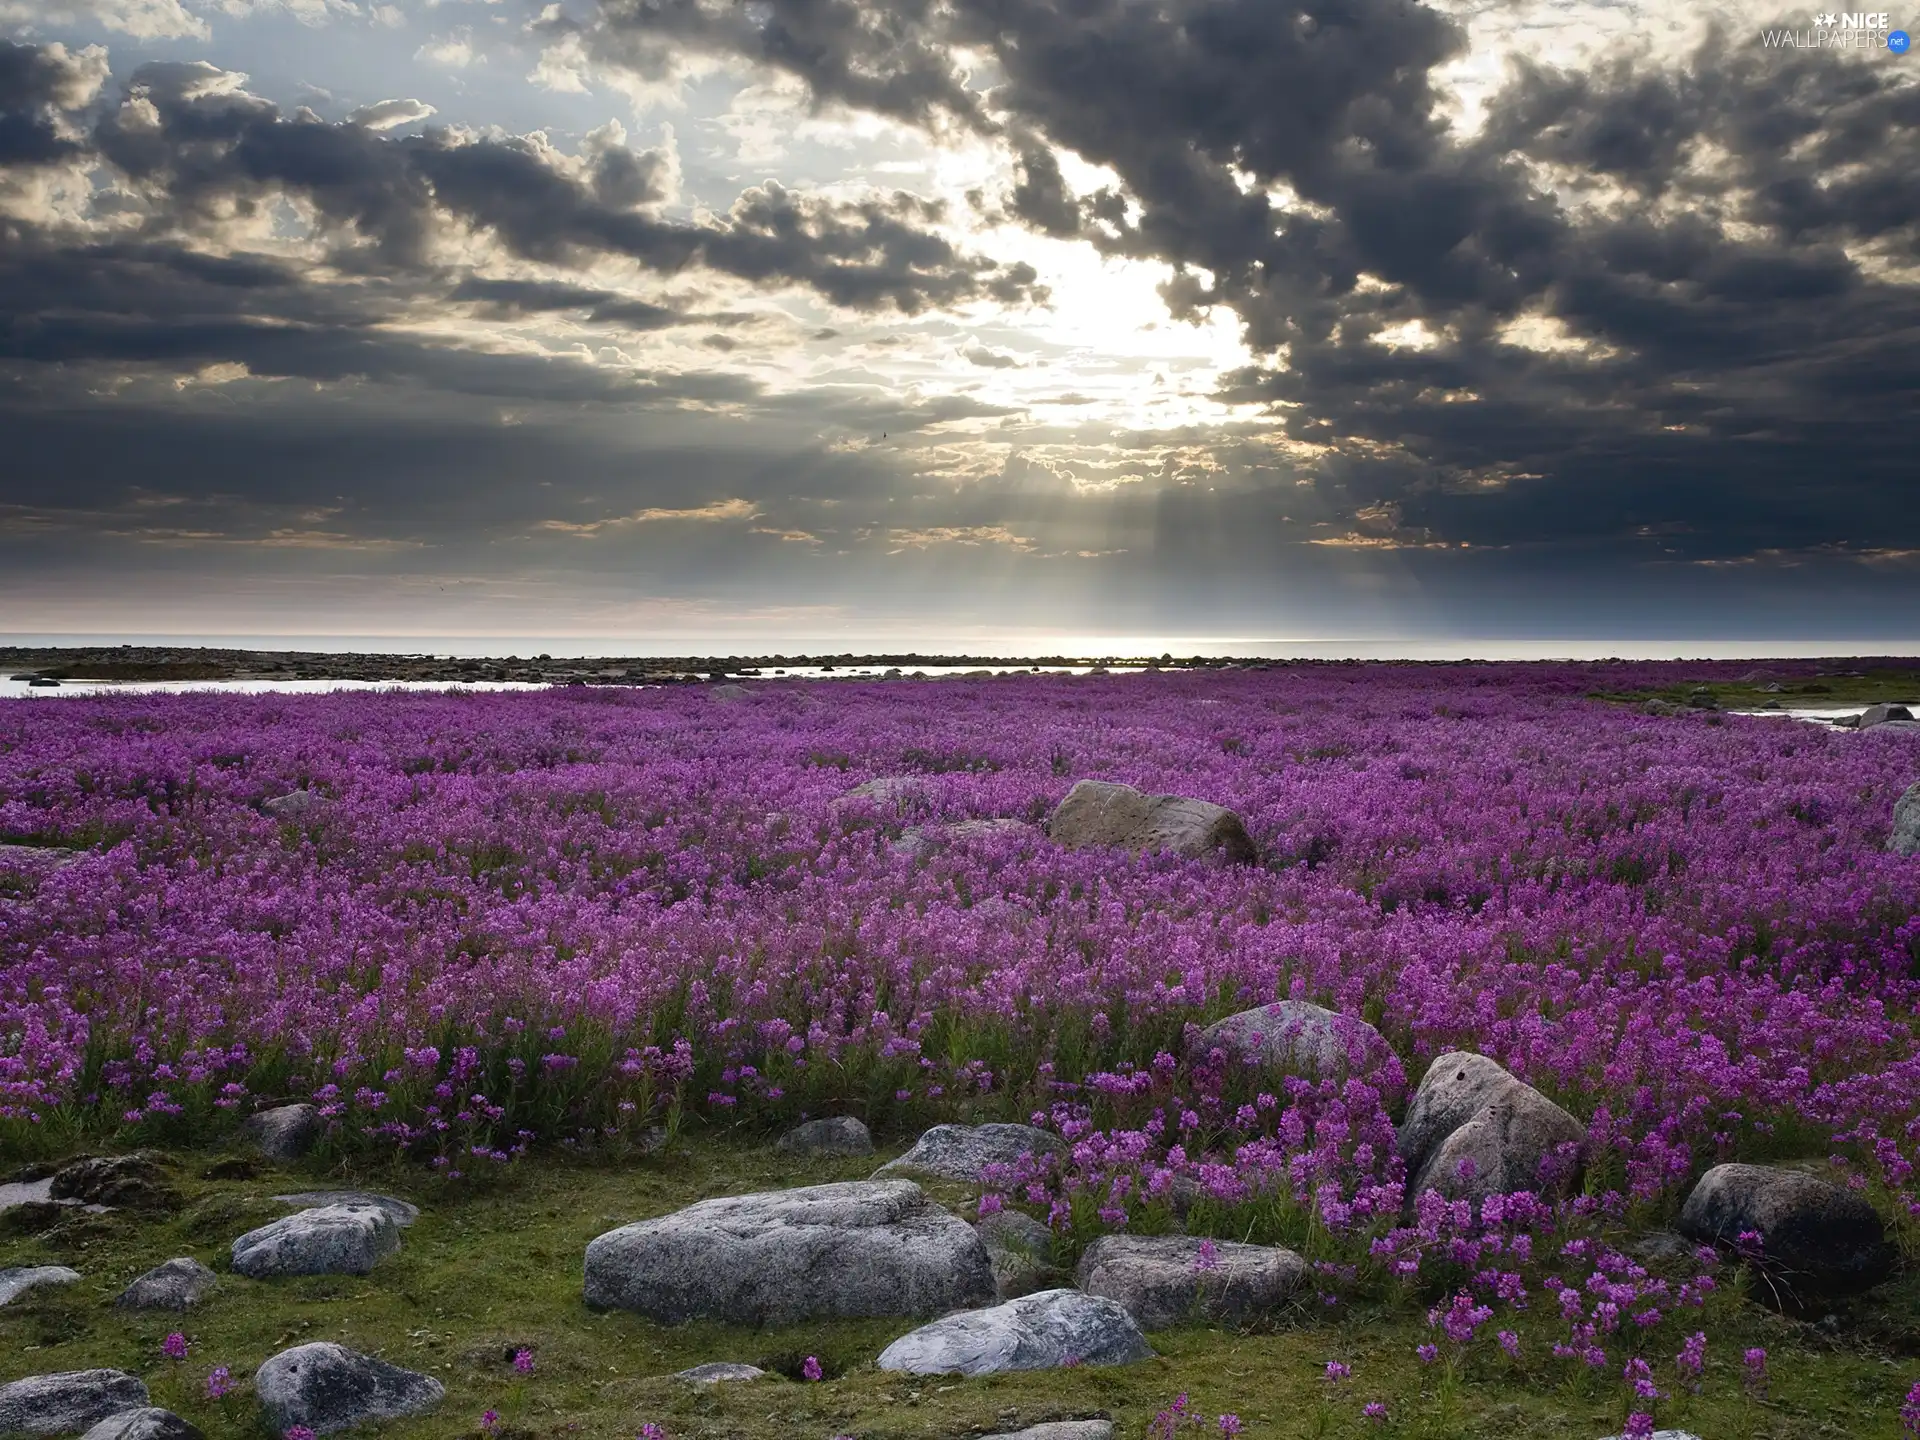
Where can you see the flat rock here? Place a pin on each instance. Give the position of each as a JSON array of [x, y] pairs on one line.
[[285, 1132], [1473, 1130], [1165, 1280], [835, 1135], [1098, 813], [720, 1372], [1035, 1332], [399, 1211], [176, 1285], [1905, 837], [19, 1279], [295, 805], [149, 1422], [851, 1250], [1295, 1037], [121, 1181], [963, 1152], [67, 1403], [327, 1387], [1816, 1238], [1060, 1430], [331, 1240]]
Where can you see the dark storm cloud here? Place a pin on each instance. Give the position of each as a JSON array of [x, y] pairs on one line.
[[37, 83]]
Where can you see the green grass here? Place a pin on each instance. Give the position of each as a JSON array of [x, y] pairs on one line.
[[1898, 685], [487, 1270]]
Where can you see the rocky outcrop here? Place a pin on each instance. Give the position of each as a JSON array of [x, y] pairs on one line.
[[177, 1285], [1035, 1332], [1098, 813], [67, 1403], [1814, 1238], [963, 1152], [838, 1135], [332, 1240], [1294, 1037], [133, 1181], [1473, 1130], [1165, 1280], [852, 1250], [327, 1387]]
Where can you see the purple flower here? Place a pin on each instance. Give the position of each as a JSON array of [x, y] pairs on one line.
[[174, 1347], [811, 1368], [298, 1432], [1910, 1411], [1229, 1424], [1428, 1354], [219, 1381], [523, 1360], [1510, 1343], [1375, 1412], [1336, 1372], [489, 1419]]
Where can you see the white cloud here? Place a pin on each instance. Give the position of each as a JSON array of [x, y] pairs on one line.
[[391, 114], [455, 50], [142, 19]]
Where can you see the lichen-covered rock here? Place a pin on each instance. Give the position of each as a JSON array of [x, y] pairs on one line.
[[1473, 1130], [1815, 1238], [133, 1181], [1295, 1037], [17, 1280], [1061, 1430], [327, 1387], [963, 1152], [401, 1212], [719, 1372], [1165, 1280], [1035, 1332], [67, 1403], [285, 1132], [332, 1240], [1905, 837], [835, 1135], [1098, 813], [852, 1250], [147, 1423], [176, 1285]]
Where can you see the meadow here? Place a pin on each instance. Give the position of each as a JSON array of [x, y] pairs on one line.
[[608, 943]]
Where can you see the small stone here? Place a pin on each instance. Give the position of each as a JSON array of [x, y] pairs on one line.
[[177, 1285], [284, 1133], [836, 1135], [327, 1387], [1815, 1238], [400, 1211], [963, 1152], [1098, 813], [148, 1423], [1294, 1037], [853, 1250], [720, 1371], [295, 806], [332, 1240], [18, 1280], [67, 1403], [1060, 1430], [1166, 1280], [1041, 1331]]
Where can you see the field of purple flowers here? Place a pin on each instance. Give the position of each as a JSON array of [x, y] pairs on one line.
[[567, 918]]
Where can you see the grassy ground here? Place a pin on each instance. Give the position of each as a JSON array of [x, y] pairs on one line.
[[486, 1271], [1899, 685]]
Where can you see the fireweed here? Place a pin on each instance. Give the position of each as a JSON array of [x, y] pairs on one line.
[[571, 917]]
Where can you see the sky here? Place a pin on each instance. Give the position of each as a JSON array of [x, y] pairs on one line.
[[935, 321]]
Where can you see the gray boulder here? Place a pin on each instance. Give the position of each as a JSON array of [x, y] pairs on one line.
[[963, 1152], [285, 1132], [852, 1250], [296, 805], [1473, 1130], [1816, 1238], [399, 1211], [1020, 1251], [1905, 838], [1061, 1430], [1097, 813], [17, 1280], [1165, 1280], [332, 1240], [327, 1387], [1035, 1332], [894, 796], [1293, 1037], [177, 1285], [720, 1372], [1880, 714], [147, 1423], [835, 1135], [67, 1403]]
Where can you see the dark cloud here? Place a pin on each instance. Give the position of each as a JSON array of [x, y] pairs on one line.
[[37, 84]]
